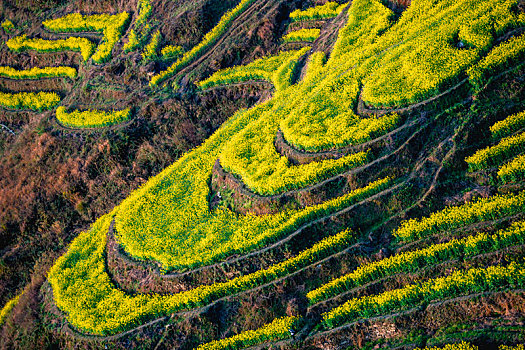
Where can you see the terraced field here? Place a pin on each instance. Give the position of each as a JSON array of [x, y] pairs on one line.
[[111, 26], [373, 197]]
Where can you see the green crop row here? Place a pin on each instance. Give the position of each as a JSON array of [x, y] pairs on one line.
[[91, 118], [133, 41], [7, 308], [329, 10], [209, 39], [492, 208], [459, 283], [457, 346], [314, 66], [414, 260], [240, 159], [38, 73], [112, 26], [274, 69], [144, 9], [84, 291], [308, 35], [282, 78], [508, 126], [8, 26], [151, 50], [462, 346], [515, 347], [22, 43], [364, 129], [507, 54], [141, 26], [513, 170], [277, 330], [171, 51], [507, 148], [29, 100], [468, 346]]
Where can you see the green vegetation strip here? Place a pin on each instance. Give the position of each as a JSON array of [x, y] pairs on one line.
[[329, 10], [84, 291], [22, 43], [91, 118], [510, 146], [277, 330], [141, 26], [308, 35], [507, 54], [8, 26], [209, 39], [508, 126], [29, 100], [133, 41], [151, 50], [285, 178], [492, 208], [410, 262], [144, 9], [38, 73], [171, 51], [111, 26], [274, 69], [459, 283], [513, 170], [467, 346], [458, 346], [507, 148]]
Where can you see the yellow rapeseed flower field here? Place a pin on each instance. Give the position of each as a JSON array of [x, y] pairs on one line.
[[91, 118]]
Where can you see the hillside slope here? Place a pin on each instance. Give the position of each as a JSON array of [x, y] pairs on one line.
[[262, 173]]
